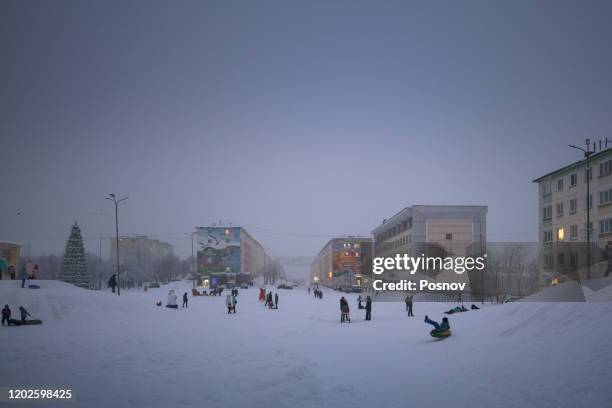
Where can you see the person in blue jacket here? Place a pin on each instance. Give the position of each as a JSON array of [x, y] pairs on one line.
[[440, 327]]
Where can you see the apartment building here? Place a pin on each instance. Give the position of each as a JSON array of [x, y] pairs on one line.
[[562, 220], [433, 230], [343, 262]]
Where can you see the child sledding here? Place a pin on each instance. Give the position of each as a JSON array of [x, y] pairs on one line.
[[440, 330], [6, 317]]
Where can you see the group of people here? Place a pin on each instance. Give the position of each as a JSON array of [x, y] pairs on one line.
[[28, 271], [271, 302], [318, 293], [345, 310], [6, 315]]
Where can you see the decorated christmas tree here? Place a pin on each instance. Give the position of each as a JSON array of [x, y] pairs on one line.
[[74, 265]]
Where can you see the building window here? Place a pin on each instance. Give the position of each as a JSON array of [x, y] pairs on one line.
[[560, 234], [546, 188], [547, 236], [573, 231], [605, 197], [449, 237], [547, 212], [561, 259], [605, 226], [573, 259], [560, 210], [548, 260], [573, 180], [588, 174], [560, 184], [573, 206], [605, 168], [590, 201]]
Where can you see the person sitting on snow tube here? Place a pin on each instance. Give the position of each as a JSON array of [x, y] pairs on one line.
[[440, 329]]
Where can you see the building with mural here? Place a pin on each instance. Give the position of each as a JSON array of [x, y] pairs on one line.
[[343, 262], [228, 256]]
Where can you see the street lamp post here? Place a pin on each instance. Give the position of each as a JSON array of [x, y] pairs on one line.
[[193, 262], [113, 198], [587, 153]]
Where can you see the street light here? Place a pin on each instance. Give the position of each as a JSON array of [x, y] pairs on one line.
[[113, 198], [192, 256], [587, 153]]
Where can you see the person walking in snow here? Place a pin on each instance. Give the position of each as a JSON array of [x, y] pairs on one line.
[[185, 299], [12, 272], [344, 310], [6, 315], [359, 300], [409, 305], [24, 314], [112, 282], [368, 308], [309, 291], [23, 275], [276, 300], [230, 302]]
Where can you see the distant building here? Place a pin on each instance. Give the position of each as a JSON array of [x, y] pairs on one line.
[[562, 217], [10, 252], [139, 251], [343, 262], [228, 256], [432, 230]]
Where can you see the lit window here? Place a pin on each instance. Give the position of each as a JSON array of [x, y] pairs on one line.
[[227, 232], [330, 274], [560, 234]]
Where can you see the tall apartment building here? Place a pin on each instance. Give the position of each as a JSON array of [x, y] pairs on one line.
[[562, 220], [343, 262], [228, 256]]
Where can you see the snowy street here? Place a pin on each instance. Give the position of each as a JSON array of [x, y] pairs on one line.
[[125, 351]]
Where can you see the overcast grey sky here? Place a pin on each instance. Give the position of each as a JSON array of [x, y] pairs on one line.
[[301, 117]]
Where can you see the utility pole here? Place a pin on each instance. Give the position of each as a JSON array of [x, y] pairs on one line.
[[113, 198], [587, 153]]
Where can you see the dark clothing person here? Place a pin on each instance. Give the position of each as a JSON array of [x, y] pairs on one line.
[[276, 300], [344, 310], [6, 315], [24, 314], [112, 282], [185, 299], [23, 275], [368, 308], [409, 305], [440, 327], [12, 272]]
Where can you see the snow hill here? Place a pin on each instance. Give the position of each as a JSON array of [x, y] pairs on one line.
[[124, 351]]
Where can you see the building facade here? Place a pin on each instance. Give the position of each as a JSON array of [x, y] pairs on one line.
[[228, 256], [343, 262], [432, 230], [562, 218], [9, 256]]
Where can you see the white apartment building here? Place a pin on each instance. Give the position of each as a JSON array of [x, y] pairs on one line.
[[562, 225]]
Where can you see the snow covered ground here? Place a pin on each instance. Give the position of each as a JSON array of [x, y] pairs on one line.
[[124, 351]]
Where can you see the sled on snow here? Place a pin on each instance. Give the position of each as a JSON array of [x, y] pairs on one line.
[[15, 322], [33, 287], [440, 334]]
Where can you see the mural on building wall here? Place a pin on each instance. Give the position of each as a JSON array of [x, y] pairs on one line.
[[218, 249], [346, 259]]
